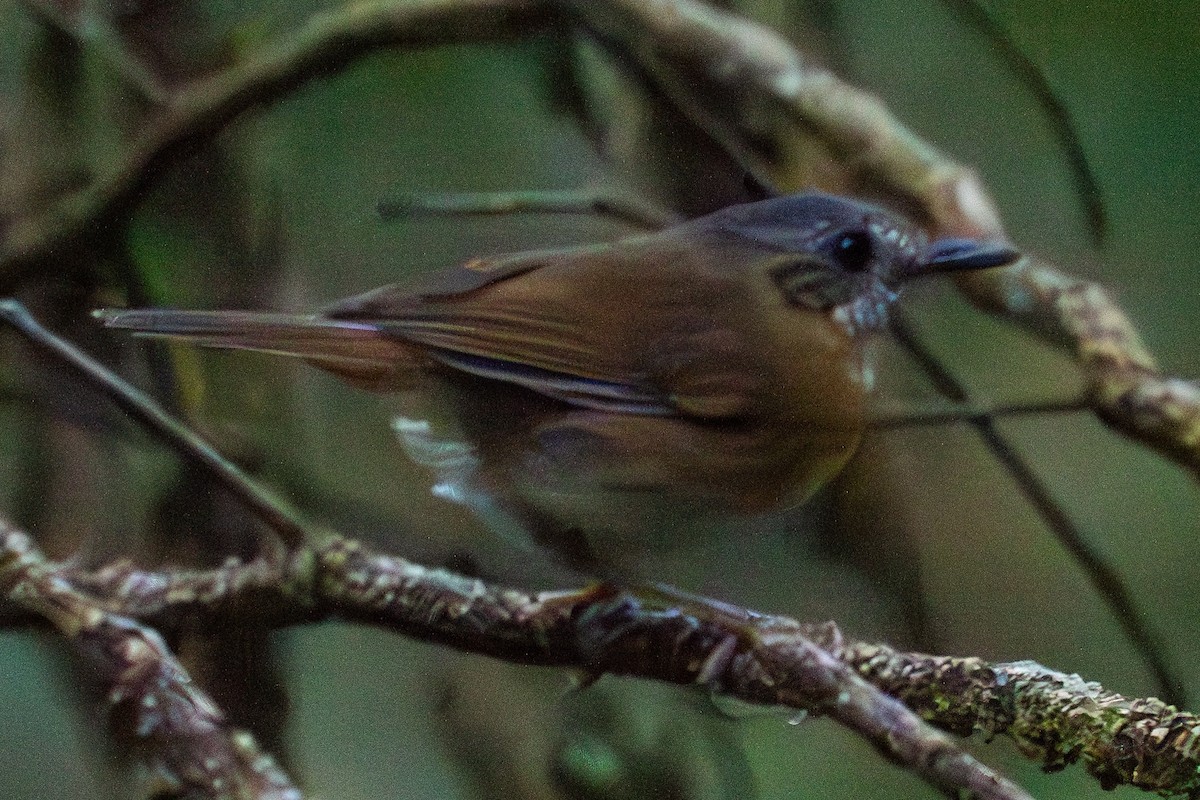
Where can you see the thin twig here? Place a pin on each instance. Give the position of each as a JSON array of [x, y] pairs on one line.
[[884, 419], [581, 202], [1102, 575], [272, 510], [977, 14]]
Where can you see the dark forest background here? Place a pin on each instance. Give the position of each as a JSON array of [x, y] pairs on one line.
[[924, 542]]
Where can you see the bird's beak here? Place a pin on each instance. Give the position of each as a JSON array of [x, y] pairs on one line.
[[954, 255]]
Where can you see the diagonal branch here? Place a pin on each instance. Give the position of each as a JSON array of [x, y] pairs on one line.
[[282, 518], [782, 115], [329, 42]]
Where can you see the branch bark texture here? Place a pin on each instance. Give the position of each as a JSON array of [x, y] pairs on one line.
[[882, 694]]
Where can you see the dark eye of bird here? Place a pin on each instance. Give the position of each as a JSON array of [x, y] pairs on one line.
[[853, 250]]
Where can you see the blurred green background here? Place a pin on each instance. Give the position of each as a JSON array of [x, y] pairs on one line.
[[278, 213]]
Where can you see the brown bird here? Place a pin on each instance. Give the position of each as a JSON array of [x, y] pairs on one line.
[[604, 398]]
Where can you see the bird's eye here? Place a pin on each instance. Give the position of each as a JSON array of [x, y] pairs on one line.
[[853, 250]]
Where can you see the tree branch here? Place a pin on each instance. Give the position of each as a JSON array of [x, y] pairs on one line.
[[791, 119], [1054, 718], [329, 42], [182, 737]]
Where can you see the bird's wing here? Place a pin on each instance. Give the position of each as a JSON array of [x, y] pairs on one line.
[[566, 324]]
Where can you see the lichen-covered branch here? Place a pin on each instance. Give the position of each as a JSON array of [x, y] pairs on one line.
[[181, 737], [797, 124], [767, 660], [1054, 718], [876, 691]]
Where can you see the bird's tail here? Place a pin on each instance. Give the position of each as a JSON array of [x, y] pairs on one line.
[[357, 351]]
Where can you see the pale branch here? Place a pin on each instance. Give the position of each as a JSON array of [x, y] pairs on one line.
[[89, 23], [801, 125], [272, 510], [1054, 718], [628, 210], [777, 112], [181, 737]]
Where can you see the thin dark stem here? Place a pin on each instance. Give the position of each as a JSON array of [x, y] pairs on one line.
[[976, 14], [948, 413], [580, 202], [273, 511], [1100, 573], [158, 358]]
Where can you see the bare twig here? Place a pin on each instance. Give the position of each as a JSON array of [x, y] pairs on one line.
[[272, 510], [979, 15], [947, 412], [630, 211]]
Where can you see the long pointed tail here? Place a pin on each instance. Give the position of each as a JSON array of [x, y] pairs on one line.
[[357, 351]]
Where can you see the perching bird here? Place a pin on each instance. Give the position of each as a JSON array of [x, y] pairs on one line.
[[609, 395]]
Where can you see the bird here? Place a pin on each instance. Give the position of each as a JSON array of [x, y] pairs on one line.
[[596, 401]]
